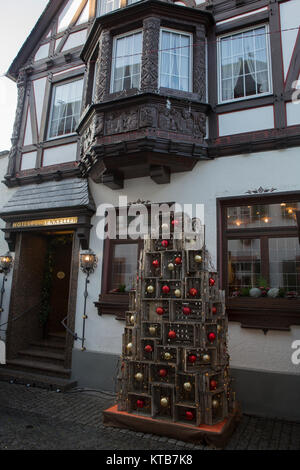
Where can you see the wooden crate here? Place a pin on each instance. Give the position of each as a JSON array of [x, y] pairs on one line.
[[186, 334], [148, 312], [200, 365]]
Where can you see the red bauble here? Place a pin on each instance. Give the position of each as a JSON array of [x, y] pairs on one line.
[[163, 373], [140, 403], [211, 337], [186, 310], [189, 415], [160, 311], [211, 282], [178, 260], [172, 334], [214, 310], [155, 263], [192, 358], [165, 243], [193, 292], [165, 289], [213, 385], [175, 222], [148, 348]]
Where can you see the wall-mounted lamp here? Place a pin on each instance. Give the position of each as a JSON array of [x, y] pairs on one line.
[[6, 262], [88, 264]]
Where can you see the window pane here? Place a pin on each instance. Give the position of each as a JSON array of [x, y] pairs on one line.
[[106, 6], [284, 255], [127, 62], [263, 216], [175, 59], [242, 56], [66, 104], [244, 266], [124, 266]]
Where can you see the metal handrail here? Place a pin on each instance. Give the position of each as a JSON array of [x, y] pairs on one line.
[[74, 334], [21, 315]]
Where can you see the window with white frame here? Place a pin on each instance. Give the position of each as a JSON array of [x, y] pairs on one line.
[[65, 108], [126, 63], [175, 64], [244, 64], [106, 6]]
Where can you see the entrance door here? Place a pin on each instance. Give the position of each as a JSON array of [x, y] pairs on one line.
[[59, 299]]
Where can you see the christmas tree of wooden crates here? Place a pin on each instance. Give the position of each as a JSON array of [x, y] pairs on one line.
[[174, 359]]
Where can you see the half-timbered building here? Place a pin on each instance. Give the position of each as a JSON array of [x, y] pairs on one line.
[[187, 101]]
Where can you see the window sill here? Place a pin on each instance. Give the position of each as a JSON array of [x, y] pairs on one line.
[[264, 313], [113, 304]]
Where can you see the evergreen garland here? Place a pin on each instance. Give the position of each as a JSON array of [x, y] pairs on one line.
[[48, 276]]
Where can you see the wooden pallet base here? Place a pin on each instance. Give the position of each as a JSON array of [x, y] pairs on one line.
[[216, 435]]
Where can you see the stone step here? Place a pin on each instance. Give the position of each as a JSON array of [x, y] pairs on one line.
[[39, 367], [58, 337], [48, 344], [43, 355], [36, 380]]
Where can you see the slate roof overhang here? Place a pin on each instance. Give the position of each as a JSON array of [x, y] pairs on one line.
[[54, 198]]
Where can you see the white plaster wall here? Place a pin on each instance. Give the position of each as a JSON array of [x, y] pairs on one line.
[[5, 194], [230, 176], [249, 120]]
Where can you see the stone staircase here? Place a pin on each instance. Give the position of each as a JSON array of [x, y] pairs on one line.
[[40, 365]]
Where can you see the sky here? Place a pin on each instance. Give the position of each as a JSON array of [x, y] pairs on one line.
[[17, 18]]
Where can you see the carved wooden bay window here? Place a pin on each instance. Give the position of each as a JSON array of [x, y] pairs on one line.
[[260, 257], [148, 113]]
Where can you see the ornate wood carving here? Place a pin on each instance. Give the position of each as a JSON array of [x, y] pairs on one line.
[[200, 63], [149, 74], [121, 121], [21, 84], [103, 75]]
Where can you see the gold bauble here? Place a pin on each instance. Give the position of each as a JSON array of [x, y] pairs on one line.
[[215, 404], [164, 402], [132, 319], [177, 293], [171, 267], [150, 289], [167, 356], [139, 376], [219, 328], [187, 386], [198, 259], [152, 330], [129, 346], [206, 357]]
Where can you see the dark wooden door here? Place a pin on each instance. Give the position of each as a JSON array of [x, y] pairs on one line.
[[60, 287]]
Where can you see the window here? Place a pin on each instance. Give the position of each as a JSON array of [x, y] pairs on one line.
[[244, 65], [175, 63], [126, 64], [106, 6], [261, 257], [65, 108], [120, 258]]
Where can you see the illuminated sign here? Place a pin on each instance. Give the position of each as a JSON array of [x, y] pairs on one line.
[[46, 222]]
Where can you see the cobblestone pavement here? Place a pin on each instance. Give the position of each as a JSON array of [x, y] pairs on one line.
[[32, 418]]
